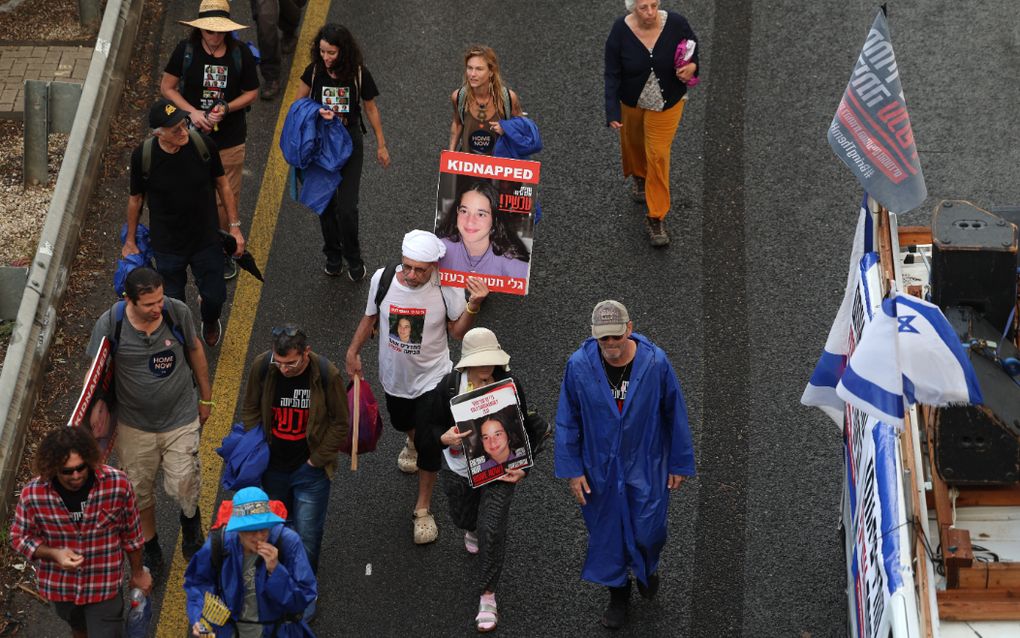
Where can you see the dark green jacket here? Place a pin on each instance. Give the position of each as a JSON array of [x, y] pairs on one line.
[[327, 410]]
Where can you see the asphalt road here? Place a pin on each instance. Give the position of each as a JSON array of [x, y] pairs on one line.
[[741, 300]]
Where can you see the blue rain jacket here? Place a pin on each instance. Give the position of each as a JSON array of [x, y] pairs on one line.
[[626, 457], [290, 589], [520, 140], [245, 455], [316, 147]]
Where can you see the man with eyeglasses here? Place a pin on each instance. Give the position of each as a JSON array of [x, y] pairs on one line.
[[299, 398], [180, 173], [76, 520], [409, 369], [623, 442]]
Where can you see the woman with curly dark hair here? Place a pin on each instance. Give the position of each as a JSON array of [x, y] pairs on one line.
[[338, 79], [480, 238]]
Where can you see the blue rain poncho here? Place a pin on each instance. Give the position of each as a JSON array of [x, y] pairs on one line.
[[626, 457]]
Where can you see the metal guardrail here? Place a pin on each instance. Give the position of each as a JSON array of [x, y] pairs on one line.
[[50, 107], [21, 376]]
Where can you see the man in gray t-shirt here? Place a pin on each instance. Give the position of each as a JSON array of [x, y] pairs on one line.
[[158, 364]]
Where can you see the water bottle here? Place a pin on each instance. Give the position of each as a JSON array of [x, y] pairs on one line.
[[139, 613]]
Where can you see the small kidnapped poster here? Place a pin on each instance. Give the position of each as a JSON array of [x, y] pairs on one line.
[[98, 385], [498, 441], [485, 216]]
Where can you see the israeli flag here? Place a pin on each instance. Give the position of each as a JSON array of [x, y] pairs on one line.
[[821, 389], [908, 351]]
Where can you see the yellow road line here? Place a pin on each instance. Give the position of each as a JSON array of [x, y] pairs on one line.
[[172, 622]]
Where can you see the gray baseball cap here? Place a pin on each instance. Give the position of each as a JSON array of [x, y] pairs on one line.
[[609, 319]]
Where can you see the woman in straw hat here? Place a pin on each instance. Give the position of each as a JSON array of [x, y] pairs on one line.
[[483, 513], [338, 79], [213, 77]]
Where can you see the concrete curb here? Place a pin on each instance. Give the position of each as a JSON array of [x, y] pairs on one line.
[[21, 376]]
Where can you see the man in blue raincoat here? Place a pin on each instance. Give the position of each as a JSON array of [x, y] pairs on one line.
[[623, 442]]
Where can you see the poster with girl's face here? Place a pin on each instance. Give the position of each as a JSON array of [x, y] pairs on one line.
[[498, 440], [485, 216]]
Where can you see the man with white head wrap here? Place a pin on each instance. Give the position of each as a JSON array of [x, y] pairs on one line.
[[410, 368]]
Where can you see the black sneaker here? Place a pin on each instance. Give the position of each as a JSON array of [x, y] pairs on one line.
[[288, 43], [229, 267], [152, 557], [615, 615], [191, 534], [270, 90], [648, 591], [657, 234], [332, 270], [637, 189], [357, 273], [211, 332]]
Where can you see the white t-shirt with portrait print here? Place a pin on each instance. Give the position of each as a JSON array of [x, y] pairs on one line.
[[410, 367]]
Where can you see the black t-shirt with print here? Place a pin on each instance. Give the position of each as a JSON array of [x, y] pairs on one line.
[[289, 447], [211, 78], [619, 379], [341, 96], [76, 500], [181, 194]]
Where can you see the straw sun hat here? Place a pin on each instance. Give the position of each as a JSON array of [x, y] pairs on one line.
[[214, 15]]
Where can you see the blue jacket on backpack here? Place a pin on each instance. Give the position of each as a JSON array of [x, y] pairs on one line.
[[318, 148], [520, 140], [290, 589]]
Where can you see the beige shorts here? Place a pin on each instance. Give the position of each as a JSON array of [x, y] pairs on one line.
[[142, 453]]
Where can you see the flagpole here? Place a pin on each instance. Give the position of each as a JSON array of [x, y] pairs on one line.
[[885, 247], [907, 440]]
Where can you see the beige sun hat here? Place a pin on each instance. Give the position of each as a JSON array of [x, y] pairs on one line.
[[214, 15], [481, 348]]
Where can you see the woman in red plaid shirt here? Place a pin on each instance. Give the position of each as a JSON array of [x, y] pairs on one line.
[[77, 518]]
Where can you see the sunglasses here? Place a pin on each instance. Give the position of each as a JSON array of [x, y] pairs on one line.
[[290, 331], [611, 338], [68, 471]]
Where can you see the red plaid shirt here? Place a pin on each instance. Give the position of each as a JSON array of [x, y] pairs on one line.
[[109, 528]]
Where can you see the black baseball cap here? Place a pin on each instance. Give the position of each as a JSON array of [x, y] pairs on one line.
[[164, 113]]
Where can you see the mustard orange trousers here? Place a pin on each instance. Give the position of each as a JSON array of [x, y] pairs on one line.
[[645, 141]]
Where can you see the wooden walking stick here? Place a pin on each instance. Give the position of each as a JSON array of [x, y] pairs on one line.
[[354, 425]]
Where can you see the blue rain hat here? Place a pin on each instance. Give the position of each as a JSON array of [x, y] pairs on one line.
[[252, 512]]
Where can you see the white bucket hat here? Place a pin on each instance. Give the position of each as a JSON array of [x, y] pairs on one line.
[[481, 348]]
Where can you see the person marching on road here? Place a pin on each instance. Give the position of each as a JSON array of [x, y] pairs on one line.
[[158, 362], [484, 512], [299, 398], [645, 92], [480, 103], [177, 171], [623, 442], [272, 17], [338, 80], [409, 370], [263, 574], [212, 75], [76, 519]]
